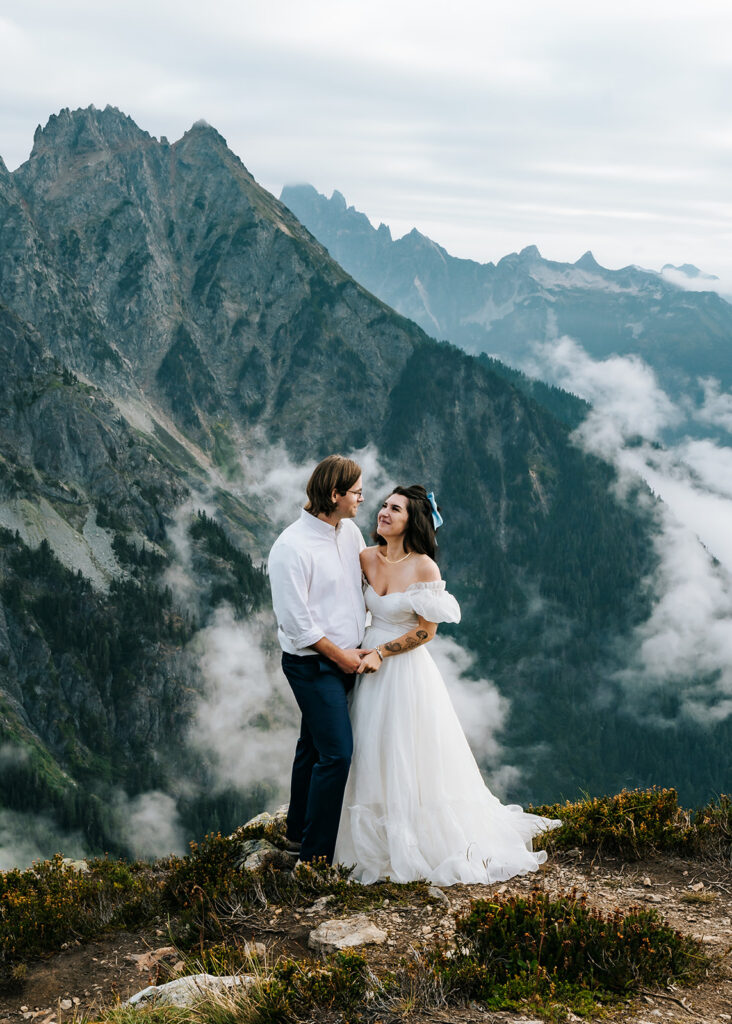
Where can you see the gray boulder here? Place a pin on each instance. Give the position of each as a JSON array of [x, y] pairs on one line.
[[189, 990]]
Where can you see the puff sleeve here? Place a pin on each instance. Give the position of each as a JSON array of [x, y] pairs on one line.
[[432, 602]]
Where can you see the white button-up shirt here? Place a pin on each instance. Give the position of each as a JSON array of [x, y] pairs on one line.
[[315, 575]]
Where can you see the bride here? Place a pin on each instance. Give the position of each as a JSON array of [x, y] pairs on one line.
[[415, 804]]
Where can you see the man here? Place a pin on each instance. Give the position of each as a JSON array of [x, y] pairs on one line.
[[315, 575]]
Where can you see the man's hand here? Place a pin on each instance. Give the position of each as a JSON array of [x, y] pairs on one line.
[[371, 662], [349, 660]]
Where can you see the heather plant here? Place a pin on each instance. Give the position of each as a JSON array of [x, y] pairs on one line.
[[551, 948], [51, 903], [635, 823], [295, 989]]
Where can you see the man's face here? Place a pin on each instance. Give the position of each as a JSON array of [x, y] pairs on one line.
[[347, 504]]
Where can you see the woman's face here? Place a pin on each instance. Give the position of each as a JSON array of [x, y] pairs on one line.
[[393, 517]]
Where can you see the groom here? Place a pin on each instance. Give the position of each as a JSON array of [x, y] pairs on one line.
[[315, 576]]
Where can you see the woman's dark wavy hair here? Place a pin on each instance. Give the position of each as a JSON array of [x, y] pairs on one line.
[[420, 533]]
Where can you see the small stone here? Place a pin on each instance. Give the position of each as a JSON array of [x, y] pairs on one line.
[[257, 949], [76, 865], [436, 894], [255, 853], [697, 886], [321, 904], [65, 1004], [344, 933], [75, 1000], [260, 819], [647, 882], [24, 1009]]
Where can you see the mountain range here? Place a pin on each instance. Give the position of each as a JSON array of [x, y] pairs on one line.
[[165, 322], [505, 309]]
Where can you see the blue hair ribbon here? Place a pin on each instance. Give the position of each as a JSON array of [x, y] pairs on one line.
[[436, 517]]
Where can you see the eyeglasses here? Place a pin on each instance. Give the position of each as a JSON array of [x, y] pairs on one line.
[[359, 493]]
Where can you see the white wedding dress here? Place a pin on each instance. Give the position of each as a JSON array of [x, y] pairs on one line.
[[416, 805]]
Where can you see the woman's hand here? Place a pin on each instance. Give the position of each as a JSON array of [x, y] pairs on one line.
[[369, 663]]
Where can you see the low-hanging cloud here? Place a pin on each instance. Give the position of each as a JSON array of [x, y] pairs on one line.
[[26, 838], [150, 824], [278, 483], [691, 281], [246, 720], [684, 649], [627, 401], [716, 409]]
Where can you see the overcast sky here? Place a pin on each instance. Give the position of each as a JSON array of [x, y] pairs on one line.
[[574, 126]]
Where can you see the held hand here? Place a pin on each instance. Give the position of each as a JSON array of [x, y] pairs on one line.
[[370, 663], [349, 660]]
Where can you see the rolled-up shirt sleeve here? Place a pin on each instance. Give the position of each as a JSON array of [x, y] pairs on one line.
[[289, 579]]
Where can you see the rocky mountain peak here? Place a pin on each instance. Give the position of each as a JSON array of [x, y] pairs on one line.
[[201, 129], [689, 270], [86, 131], [588, 262], [530, 253]]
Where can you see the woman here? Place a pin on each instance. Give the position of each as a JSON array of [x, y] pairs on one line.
[[415, 804]]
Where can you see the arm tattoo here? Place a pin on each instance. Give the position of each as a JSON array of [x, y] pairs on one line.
[[411, 640]]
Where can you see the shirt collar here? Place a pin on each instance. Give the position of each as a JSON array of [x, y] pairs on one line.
[[321, 528]]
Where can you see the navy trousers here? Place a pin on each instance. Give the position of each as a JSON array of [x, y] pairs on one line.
[[322, 755]]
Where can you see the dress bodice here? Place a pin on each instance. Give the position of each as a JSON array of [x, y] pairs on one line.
[[401, 608]]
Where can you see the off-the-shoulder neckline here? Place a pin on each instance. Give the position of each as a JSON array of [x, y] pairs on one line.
[[424, 585]]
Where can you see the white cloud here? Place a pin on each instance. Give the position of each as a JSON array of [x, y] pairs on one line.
[[25, 838], [716, 408], [149, 824], [684, 649], [627, 401], [278, 483], [179, 575], [246, 721], [701, 282]]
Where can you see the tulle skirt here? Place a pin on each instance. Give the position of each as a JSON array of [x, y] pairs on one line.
[[416, 805]]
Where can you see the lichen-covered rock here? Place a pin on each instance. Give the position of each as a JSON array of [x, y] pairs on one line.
[[189, 990], [344, 933], [256, 853]]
